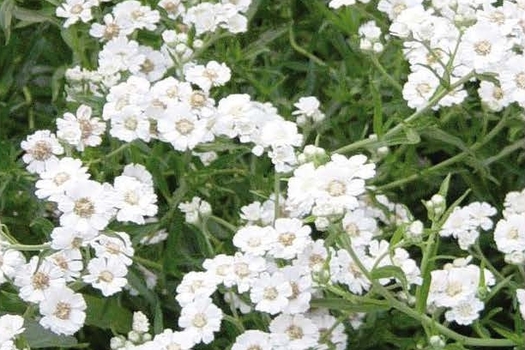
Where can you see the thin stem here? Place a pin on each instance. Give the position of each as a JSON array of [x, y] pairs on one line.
[[388, 77], [302, 51], [28, 247], [110, 154], [223, 222], [424, 319], [505, 152], [147, 263]]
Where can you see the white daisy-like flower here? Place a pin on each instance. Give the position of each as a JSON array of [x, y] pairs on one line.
[[131, 14], [35, 277], [252, 339], [182, 128], [343, 269], [330, 330], [196, 285], [69, 262], [291, 238], [41, 148], [76, 10], [62, 311], [520, 295], [80, 130], [134, 200], [510, 233], [465, 312], [255, 240], [293, 332], [10, 261], [117, 247], [213, 74], [301, 283], [270, 293], [85, 206], [108, 275], [58, 175], [200, 319], [69, 238], [109, 30]]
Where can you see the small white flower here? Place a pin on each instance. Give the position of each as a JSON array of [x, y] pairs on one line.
[[201, 319], [108, 275], [41, 148], [35, 277], [252, 339], [117, 247], [195, 286], [75, 10], [58, 175], [270, 293], [140, 322], [62, 311], [213, 74], [292, 237], [294, 332]]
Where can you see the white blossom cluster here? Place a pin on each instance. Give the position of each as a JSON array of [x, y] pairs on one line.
[[444, 41], [456, 287], [464, 223], [85, 208], [509, 233], [279, 268]]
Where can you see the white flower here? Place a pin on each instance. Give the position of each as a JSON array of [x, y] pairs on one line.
[[195, 286], [313, 257], [465, 312], [203, 16], [108, 275], [294, 332], [35, 277], [70, 238], [514, 203], [328, 324], [201, 319], [308, 108], [132, 15], [140, 322], [109, 30], [291, 239], [301, 282], [117, 247], [195, 209], [270, 293], [394, 7], [85, 205], [130, 124], [174, 8], [343, 269], [154, 65], [41, 148], [75, 10], [62, 311], [512, 79], [419, 88], [169, 339], [255, 240], [244, 270], [213, 74], [69, 262], [252, 339], [58, 175], [182, 128], [482, 48], [10, 261], [80, 130], [510, 233], [10, 326], [493, 96], [134, 200], [119, 54]]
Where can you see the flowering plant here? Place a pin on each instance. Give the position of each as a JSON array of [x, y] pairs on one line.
[[204, 185]]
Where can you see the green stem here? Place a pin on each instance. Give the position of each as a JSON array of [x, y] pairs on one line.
[[147, 263], [223, 222], [302, 51], [424, 319], [28, 247], [111, 154], [505, 152], [388, 77]]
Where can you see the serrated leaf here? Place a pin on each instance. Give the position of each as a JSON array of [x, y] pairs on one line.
[[106, 313], [39, 337]]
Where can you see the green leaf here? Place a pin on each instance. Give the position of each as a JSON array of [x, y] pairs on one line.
[[342, 304], [378, 111], [106, 313], [6, 15], [443, 189], [510, 335], [390, 272], [39, 337]]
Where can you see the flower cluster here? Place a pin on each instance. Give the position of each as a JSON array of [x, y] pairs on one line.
[[509, 233]]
